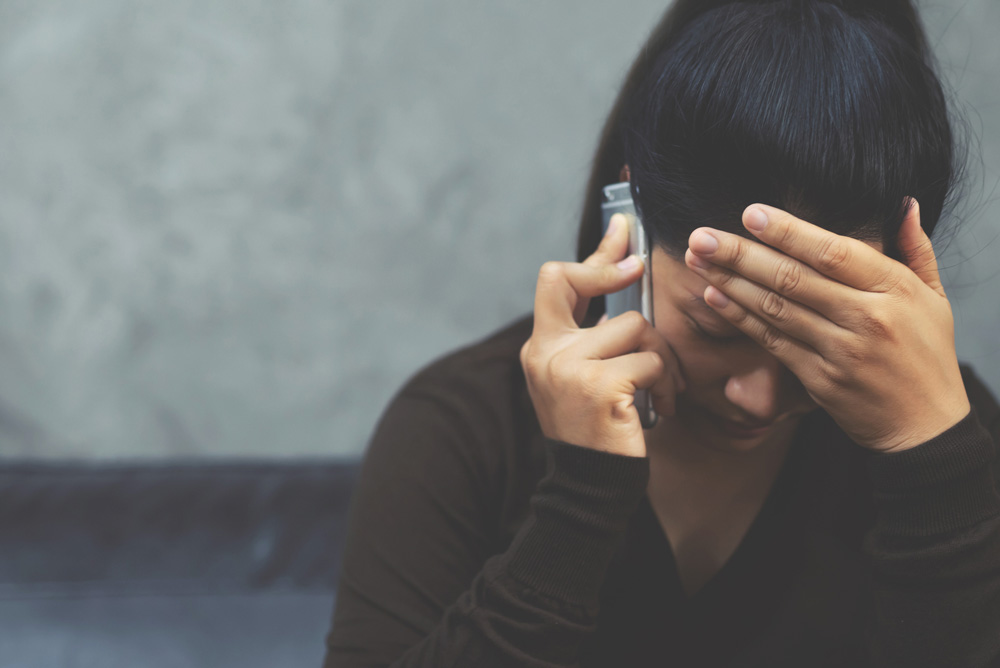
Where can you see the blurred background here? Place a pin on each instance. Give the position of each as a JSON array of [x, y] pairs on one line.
[[235, 228], [229, 232]]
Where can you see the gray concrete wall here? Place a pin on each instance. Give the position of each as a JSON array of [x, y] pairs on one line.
[[234, 228]]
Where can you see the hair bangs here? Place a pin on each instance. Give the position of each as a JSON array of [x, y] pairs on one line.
[[793, 104]]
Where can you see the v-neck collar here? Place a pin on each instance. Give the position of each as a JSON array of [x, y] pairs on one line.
[[645, 615], [745, 558], [761, 558]]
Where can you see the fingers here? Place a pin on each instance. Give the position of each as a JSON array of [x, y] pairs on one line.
[[794, 353], [563, 286], [918, 252], [736, 261], [646, 370], [642, 369], [614, 244], [850, 261], [629, 333], [612, 249], [622, 334], [783, 293]]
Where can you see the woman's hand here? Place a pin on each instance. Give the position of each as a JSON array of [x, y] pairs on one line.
[[871, 339], [583, 381]]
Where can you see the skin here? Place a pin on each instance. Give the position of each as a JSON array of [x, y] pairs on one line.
[[837, 313], [818, 319], [706, 486], [840, 316], [728, 376]]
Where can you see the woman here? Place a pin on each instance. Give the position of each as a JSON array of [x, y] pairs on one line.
[[821, 487]]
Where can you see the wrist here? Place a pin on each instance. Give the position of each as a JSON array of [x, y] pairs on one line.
[[922, 431], [944, 485]]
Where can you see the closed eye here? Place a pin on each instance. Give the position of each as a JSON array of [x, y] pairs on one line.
[[716, 338]]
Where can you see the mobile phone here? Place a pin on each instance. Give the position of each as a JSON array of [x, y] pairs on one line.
[[639, 295]]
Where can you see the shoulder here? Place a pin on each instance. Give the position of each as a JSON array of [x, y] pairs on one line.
[[485, 368], [432, 501], [465, 420], [479, 388]]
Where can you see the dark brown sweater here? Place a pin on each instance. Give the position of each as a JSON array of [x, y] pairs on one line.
[[474, 541]]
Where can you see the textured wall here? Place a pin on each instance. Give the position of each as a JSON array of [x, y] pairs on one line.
[[236, 227]]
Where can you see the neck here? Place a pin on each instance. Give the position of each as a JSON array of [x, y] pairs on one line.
[[686, 469]]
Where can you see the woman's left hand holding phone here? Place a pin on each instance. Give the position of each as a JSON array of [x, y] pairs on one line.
[[582, 381]]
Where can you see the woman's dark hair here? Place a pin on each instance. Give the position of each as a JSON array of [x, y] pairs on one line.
[[830, 110]]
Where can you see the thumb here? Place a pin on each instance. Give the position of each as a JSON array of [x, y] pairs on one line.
[[916, 248]]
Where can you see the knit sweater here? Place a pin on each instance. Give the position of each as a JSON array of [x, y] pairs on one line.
[[476, 541]]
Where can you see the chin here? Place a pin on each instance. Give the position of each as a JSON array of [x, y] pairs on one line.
[[722, 442], [711, 430]]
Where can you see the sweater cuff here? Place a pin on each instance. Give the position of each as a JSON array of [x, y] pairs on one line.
[[579, 512], [943, 485]]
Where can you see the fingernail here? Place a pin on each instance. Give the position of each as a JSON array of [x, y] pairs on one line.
[[704, 242], [699, 262], [756, 219], [716, 298], [629, 263], [613, 224]]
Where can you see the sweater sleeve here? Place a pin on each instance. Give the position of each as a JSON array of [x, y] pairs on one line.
[[420, 586], [935, 550]]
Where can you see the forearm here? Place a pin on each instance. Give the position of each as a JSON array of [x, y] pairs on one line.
[[935, 550]]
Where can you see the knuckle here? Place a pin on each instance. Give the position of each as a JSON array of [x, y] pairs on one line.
[[525, 355], [850, 357], [903, 288], [776, 307], [591, 376], [833, 254], [738, 256], [851, 353], [740, 318], [658, 364], [610, 273], [788, 277], [559, 369], [771, 338], [726, 278], [550, 272], [874, 324], [655, 361], [830, 375], [555, 373], [534, 368], [621, 410], [785, 233], [633, 321], [892, 282]]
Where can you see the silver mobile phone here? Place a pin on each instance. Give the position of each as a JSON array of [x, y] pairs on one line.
[[639, 295]]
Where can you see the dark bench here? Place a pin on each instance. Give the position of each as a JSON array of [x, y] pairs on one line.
[[205, 564]]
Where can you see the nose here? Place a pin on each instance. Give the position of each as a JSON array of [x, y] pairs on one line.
[[757, 389]]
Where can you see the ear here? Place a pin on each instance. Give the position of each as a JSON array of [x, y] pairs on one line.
[[624, 175]]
